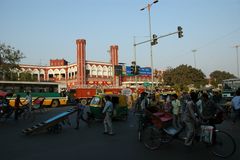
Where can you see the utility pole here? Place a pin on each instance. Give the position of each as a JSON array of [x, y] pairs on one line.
[[236, 46], [194, 57], [150, 35], [135, 59]]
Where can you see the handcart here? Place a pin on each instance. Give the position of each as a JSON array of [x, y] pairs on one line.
[[52, 125], [38, 104]]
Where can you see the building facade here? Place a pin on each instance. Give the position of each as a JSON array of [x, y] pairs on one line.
[[83, 73]]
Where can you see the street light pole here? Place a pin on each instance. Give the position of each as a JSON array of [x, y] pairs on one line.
[[150, 36], [135, 60], [194, 57], [236, 46]]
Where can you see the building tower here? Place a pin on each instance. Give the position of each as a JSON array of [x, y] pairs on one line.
[[81, 60], [114, 61]]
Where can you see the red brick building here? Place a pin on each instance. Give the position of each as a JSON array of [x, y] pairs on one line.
[[83, 73]]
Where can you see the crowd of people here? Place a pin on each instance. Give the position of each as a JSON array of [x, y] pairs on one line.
[[187, 109]]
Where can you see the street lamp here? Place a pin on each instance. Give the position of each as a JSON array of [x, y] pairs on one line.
[[194, 57], [236, 46], [150, 35]]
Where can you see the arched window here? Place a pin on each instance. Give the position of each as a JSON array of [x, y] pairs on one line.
[[99, 71], [94, 70], [105, 71], [88, 70], [50, 74], [110, 71]]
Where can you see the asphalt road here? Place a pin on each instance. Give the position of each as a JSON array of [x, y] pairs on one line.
[[89, 143]]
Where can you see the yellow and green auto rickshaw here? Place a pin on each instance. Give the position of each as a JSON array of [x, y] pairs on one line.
[[119, 104]]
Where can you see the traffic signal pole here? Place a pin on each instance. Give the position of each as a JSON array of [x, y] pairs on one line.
[[135, 59], [153, 41], [169, 34]]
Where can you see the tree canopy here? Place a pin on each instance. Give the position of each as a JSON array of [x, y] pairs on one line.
[[9, 59], [183, 76], [218, 76]]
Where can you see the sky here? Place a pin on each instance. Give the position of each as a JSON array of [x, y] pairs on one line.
[[48, 29]]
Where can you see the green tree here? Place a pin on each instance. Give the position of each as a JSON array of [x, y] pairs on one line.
[[184, 75], [9, 59], [26, 76], [217, 77], [167, 76]]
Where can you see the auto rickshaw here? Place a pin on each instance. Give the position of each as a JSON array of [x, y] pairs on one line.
[[120, 107]]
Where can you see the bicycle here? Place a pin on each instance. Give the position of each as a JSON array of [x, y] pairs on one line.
[[27, 113], [141, 124], [6, 112], [221, 143]]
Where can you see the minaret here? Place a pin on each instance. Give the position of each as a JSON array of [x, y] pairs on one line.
[[81, 60], [114, 61]]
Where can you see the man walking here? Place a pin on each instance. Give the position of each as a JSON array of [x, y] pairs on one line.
[[236, 106], [108, 111], [80, 112], [29, 101]]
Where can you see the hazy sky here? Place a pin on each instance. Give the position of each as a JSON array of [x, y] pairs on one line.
[[48, 29]]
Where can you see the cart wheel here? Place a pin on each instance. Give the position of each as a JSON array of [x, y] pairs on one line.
[[84, 101], [151, 138], [57, 128], [55, 103], [50, 130]]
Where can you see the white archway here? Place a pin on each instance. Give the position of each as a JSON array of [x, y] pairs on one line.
[[105, 71], [94, 70], [50, 74], [62, 74], [99, 71], [110, 73], [42, 74], [57, 74], [88, 70], [35, 74]]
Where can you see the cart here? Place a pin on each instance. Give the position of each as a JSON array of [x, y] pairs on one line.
[[38, 104], [52, 125], [158, 117]]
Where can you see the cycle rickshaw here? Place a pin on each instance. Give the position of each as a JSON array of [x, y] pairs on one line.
[[159, 131], [5, 109]]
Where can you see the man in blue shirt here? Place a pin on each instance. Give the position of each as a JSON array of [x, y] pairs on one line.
[[236, 106], [80, 112]]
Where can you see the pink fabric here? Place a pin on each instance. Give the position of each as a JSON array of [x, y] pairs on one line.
[[158, 114]]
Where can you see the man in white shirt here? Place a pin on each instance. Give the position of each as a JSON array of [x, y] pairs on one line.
[[29, 101], [236, 106], [108, 111]]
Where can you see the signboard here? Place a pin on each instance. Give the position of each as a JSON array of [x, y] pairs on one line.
[[146, 84], [143, 71], [126, 91]]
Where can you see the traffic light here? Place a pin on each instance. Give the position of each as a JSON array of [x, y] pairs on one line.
[[180, 32], [132, 69], [137, 71], [154, 40]]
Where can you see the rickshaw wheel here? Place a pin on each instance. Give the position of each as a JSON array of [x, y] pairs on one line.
[[84, 101], [151, 138]]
